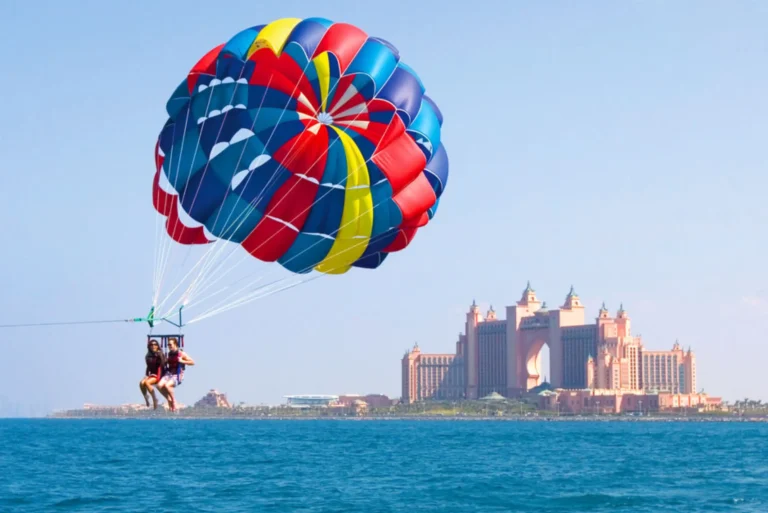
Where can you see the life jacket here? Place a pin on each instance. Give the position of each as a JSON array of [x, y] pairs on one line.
[[154, 363], [174, 364]]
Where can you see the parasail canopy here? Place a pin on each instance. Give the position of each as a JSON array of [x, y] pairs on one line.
[[307, 143]]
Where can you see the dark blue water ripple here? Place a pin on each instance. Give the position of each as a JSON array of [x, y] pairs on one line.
[[372, 467]]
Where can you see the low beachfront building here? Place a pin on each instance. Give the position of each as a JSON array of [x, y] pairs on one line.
[[311, 401], [607, 401]]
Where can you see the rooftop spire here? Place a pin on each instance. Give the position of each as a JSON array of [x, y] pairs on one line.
[[572, 299], [529, 295]]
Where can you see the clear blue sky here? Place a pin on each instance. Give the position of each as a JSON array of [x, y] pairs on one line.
[[616, 146]]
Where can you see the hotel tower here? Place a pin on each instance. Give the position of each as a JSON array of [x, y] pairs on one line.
[[504, 355]]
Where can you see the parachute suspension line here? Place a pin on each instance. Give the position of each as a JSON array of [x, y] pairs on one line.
[[214, 265], [188, 296], [161, 242], [159, 238], [156, 240], [251, 299], [213, 282], [191, 166], [236, 302], [218, 134], [260, 294], [252, 206], [206, 260], [201, 261], [307, 269], [220, 245], [166, 243], [243, 216], [181, 198], [302, 271], [183, 263]]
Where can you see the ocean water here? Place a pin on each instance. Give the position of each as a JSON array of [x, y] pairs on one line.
[[381, 466]]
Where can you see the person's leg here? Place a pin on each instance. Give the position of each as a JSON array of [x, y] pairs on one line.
[[169, 387], [151, 380], [143, 388], [161, 385]]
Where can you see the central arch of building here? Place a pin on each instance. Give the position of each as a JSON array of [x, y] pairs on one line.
[[532, 362], [530, 326], [505, 356]]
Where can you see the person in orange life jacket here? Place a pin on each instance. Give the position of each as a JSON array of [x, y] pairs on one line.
[[174, 371], [155, 365]]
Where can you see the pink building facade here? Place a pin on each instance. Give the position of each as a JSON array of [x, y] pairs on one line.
[[598, 402], [623, 363], [431, 376], [504, 355], [371, 400], [595, 402], [213, 399]]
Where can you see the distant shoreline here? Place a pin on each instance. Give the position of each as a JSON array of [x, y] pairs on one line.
[[370, 418]]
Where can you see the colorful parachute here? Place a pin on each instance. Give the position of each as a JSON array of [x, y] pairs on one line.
[[307, 142]]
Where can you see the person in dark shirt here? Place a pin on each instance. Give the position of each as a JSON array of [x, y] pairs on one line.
[[155, 365]]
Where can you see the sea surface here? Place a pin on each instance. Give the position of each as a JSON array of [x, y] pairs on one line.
[[381, 466]]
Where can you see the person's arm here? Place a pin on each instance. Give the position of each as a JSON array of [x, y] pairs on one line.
[[185, 359]]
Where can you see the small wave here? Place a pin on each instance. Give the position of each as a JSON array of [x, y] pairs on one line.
[[602, 499], [744, 501], [83, 501], [15, 501]]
